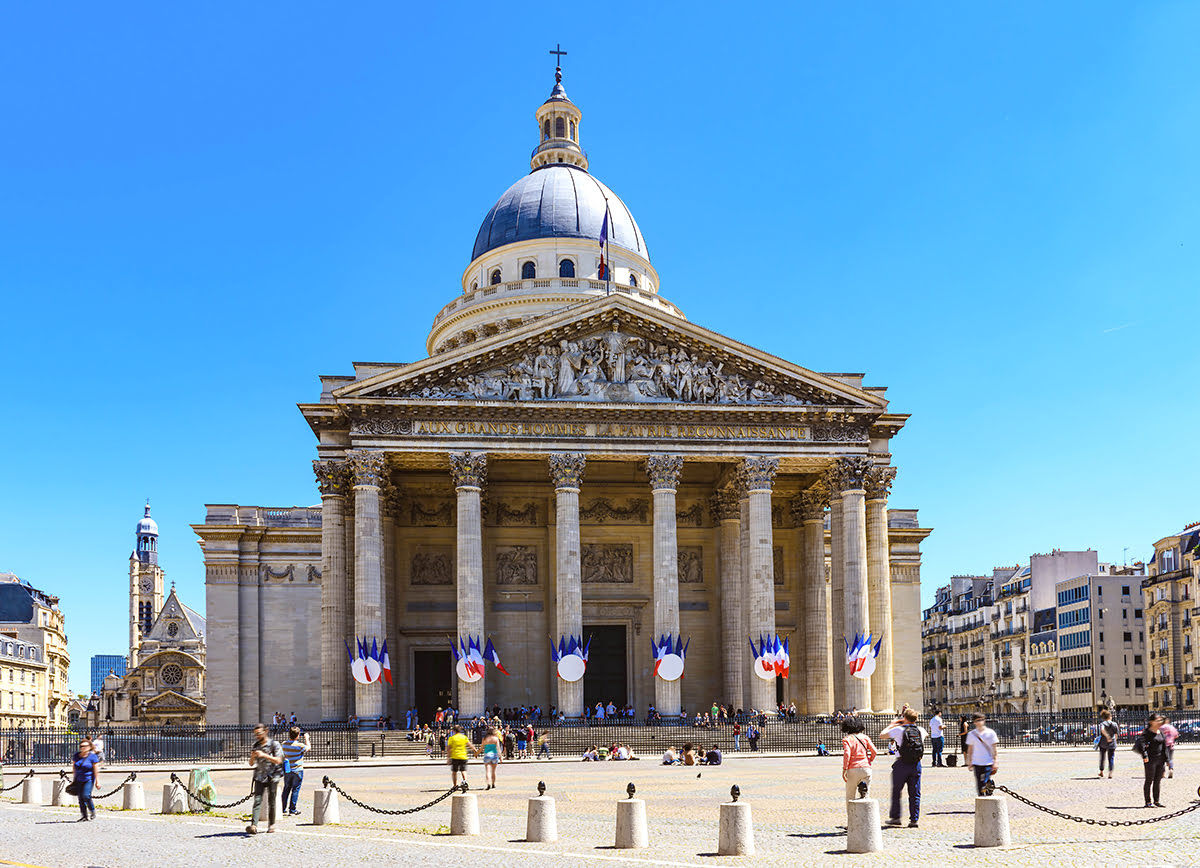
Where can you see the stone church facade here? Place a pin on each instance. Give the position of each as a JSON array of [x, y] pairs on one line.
[[573, 458]]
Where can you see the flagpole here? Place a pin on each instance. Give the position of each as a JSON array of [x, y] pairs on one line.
[[608, 249]]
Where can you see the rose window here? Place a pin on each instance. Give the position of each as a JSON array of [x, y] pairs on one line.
[[172, 674]]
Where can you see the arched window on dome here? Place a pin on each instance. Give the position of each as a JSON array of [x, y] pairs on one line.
[[474, 285], [573, 132], [546, 129], [495, 276], [566, 268], [560, 128], [633, 280], [528, 271]]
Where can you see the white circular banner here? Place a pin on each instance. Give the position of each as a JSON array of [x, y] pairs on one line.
[[670, 667], [763, 669], [469, 676], [571, 667], [358, 668]]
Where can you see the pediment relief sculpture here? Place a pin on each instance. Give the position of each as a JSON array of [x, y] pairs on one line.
[[615, 366]]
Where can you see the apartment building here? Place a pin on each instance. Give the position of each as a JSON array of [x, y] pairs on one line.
[[1169, 593], [33, 618], [22, 682]]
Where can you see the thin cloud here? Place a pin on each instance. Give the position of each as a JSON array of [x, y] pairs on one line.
[[1117, 328]]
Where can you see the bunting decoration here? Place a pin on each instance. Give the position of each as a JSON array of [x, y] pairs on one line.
[[669, 656], [861, 656], [772, 657], [369, 664], [570, 657]]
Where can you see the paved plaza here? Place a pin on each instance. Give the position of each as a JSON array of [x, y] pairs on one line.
[[797, 808]]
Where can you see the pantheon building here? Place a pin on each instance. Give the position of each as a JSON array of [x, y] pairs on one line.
[[574, 457]]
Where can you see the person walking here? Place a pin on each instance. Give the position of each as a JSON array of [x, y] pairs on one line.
[[491, 757], [456, 754], [294, 750], [543, 743], [964, 727], [267, 759], [1152, 745], [937, 740], [1170, 733], [1107, 741], [980, 755], [858, 752], [86, 764], [906, 770]]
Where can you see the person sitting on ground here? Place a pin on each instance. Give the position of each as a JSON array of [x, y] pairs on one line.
[[821, 749], [670, 758], [713, 756], [689, 754], [591, 754], [622, 751]]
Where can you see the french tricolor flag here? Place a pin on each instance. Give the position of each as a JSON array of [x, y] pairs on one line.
[[603, 275]]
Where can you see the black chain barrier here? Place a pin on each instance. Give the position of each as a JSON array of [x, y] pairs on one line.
[[176, 779], [24, 777], [991, 786], [326, 782], [132, 777]]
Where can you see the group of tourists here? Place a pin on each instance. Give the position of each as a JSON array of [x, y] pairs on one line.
[[692, 755], [614, 752], [274, 765]]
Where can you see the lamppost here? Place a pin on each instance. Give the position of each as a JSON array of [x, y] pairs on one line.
[[1050, 690], [988, 697]]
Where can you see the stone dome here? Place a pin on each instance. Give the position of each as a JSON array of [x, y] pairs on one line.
[[147, 526], [558, 200]]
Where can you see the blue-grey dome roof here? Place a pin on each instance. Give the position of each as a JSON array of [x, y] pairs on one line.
[[557, 201], [146, 525]]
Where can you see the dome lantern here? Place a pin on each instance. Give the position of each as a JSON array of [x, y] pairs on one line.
[[147, 538], [558, 130]]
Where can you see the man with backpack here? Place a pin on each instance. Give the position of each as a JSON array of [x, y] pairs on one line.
[[906, 770]]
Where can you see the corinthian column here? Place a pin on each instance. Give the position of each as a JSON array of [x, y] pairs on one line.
[[368, 468], [879, 583], [663, 471], [335, 669], [469, 471], [848, 481], [388, 506], [759, 477], [837, 603], [725, 510], [749, 614], [809, 509], [566, 470]]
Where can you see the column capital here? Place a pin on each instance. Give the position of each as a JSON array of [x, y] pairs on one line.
[[848, 474], [389, 498], [879, 481], [810, 504], [758, 474], [469, 469], [367, 466], [566, 469], [332, 477], [664, 471], [724, 505]]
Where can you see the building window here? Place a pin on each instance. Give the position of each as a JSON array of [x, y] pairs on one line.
[[495, 276], [1138, 683], [566, 268], [528, 271], [1137, 659], [1128, 637], [560, 128], [633, 280], [474, 285], [546, 129], [1124, 590]]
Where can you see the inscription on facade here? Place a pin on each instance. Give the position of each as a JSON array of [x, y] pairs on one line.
[[432, 565], [607, 563], [620, 430]]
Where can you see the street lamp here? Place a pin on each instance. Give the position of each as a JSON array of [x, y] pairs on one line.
[[1050, 691]]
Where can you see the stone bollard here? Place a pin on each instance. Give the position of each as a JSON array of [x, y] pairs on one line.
[[325, 807], [863, 831], [31, 791], [991, 822], [58, 796], [631, 822], [541, 822], [736, 836], [133, 796], [464, 814], [174, 799]]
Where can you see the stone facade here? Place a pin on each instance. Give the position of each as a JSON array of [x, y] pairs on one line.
[[31, 622]]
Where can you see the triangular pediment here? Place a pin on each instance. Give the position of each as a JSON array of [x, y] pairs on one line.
[[173, 624], [612, 350], [173, 700]]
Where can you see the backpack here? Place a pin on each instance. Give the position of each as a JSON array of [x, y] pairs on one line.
[[912, 746]]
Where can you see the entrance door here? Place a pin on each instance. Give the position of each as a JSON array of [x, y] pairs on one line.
[[606, 677], [431, 682]]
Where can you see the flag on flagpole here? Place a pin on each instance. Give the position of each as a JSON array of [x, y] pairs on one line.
[[387, 664], [490, 653], [604, 244]]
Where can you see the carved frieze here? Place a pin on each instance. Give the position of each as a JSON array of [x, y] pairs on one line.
[[382, 426], [367, 466], [777, 564], [468, 469], [607, 563], [314, 574], [664, 470], [879, 482], [266, 572], [693, 515], [516, 565], [331, 476], [837, 432], [613, 366], [504, 513], [602, 510], [566, 469], [432, 565], [424, 513], [691, 565]]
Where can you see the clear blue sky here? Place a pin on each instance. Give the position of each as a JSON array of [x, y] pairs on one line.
[[990, 208]]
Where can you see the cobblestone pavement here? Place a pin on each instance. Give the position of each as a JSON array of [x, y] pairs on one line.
[[796, 804]]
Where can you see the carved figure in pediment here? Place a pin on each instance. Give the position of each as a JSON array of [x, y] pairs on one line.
[[545, 379], [570, 361]]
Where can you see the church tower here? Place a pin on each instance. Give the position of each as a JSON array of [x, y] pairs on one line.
[[145, 585]]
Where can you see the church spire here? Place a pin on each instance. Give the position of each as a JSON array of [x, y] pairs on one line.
[[558, 127]]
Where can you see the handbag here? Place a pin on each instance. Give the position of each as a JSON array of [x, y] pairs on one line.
[[74, 788]]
